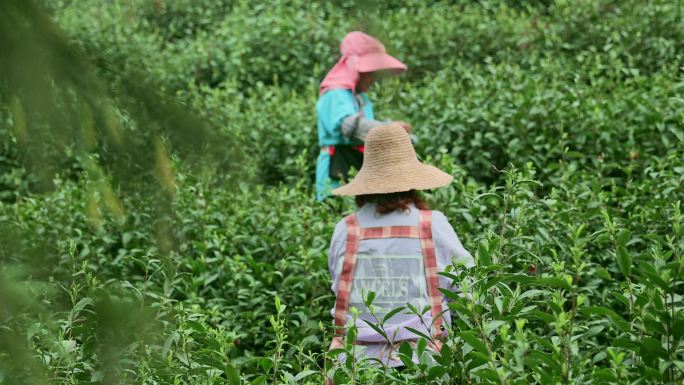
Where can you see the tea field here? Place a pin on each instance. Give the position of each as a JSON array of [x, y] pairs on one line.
[[157, 216]]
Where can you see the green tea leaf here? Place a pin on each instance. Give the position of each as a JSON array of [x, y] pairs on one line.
[[406, 354], [418, 333], [436, 372], [305, 374], [474, 341], [483, 257], [392, 313], [624, 260], [623, 237], [377, 329], [232, 375]]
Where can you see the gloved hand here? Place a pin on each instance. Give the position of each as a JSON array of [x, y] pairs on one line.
[[404, 125], [414, 139]]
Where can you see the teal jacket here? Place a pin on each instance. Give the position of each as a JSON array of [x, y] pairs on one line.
[[332, 108]]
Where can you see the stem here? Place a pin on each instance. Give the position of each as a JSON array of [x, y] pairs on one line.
[[631, 303], [279, 343], [668, 332], [488, 345], [480, 327], [392, 348], [428, 329], [144, 290], [676, 255], [671, 347], [631, 299], [276, 360], [185, 350], [353, 357], [464, 380], [503, 221], [631, 314], [568, 335], [325, 360]]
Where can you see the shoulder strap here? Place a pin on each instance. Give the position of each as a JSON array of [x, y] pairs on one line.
[[348, 267], [431, 277]]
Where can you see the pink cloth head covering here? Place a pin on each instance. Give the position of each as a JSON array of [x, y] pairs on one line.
[[360, 53]]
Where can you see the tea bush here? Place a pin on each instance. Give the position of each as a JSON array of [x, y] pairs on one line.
[[562, 123]]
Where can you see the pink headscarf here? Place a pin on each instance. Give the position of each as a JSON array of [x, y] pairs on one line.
[[360, 53]]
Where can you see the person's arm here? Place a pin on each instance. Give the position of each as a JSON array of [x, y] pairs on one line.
[[357, 127], [340, 116], [449, 249]]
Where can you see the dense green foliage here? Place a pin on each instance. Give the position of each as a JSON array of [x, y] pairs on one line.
[[562, 122]]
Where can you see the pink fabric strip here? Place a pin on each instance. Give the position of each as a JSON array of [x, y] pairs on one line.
[[348, 267], [390, 232], [430, 262]]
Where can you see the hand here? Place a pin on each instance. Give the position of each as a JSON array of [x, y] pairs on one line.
[[404, 125]]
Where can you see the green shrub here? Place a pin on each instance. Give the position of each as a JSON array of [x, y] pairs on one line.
[[294, 43], [562, 123]]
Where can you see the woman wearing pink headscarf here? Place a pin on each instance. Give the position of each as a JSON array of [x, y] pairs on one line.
[[345, 113]]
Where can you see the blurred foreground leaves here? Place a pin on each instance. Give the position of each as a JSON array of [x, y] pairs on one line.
[[70, 118]]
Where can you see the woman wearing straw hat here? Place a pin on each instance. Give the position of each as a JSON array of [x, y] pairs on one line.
[[393, 246], [345, 113]]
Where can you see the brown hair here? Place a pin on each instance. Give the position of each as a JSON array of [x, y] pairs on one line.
[[387, 203]]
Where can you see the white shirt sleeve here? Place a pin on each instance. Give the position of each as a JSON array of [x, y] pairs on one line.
[[447, 242], [448, 248], [338, 245]]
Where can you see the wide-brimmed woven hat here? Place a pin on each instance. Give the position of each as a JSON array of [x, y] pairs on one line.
[[390, 165]]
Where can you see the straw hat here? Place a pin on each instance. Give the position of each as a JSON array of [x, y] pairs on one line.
[[390, 165]]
